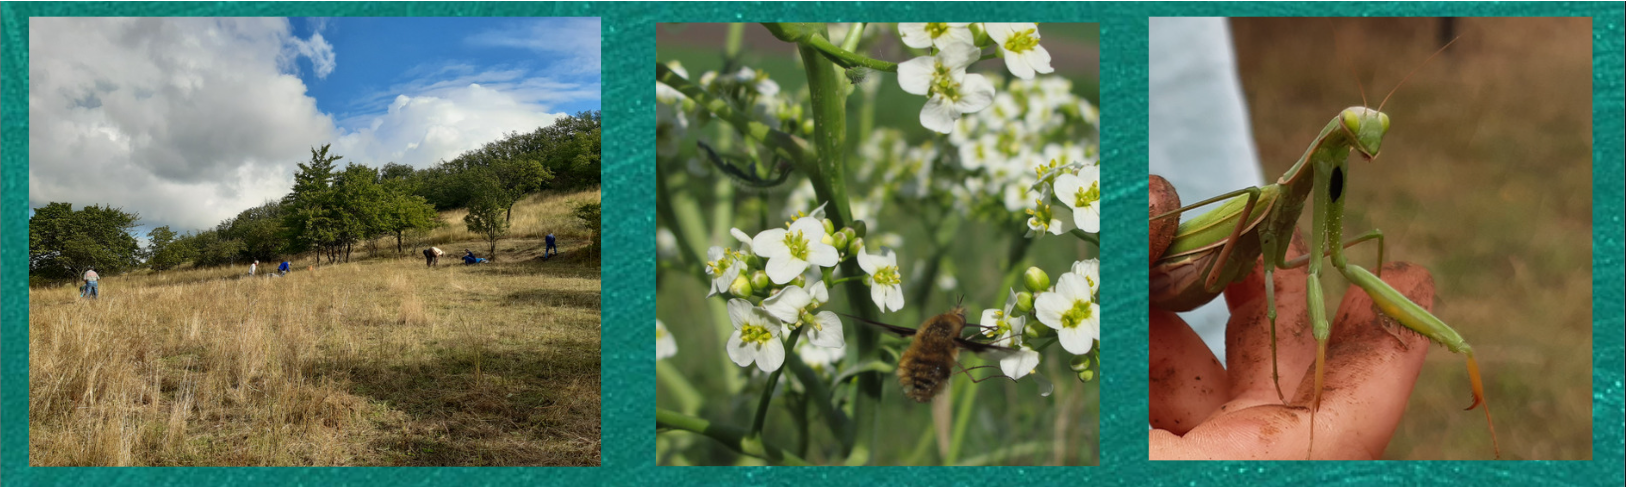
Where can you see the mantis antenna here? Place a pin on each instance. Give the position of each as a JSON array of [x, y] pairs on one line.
[[1415, 70]]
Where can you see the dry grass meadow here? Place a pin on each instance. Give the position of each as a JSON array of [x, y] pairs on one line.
[[380, 361]]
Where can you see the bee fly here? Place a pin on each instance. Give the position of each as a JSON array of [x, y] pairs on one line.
[[932, 356]]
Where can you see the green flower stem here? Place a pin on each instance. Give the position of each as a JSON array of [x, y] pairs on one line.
[[729, 436], [855, 32], [992, 55], [813, 36], [674, 383], [819, 393], [784, 145], [1001, 454], [827, 90], [1093, 238], [846, 279], [965, 396], [761, 418], [1017, 262], [731, 45]]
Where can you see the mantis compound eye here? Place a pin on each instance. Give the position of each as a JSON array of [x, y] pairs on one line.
[[1352, 120], [1383, 123]]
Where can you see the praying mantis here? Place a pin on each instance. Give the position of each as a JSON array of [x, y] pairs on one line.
[[1220, 247]]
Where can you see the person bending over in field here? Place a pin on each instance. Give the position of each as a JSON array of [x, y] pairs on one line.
[[282, 269], [432, 256], [90, 284], [546, 251]]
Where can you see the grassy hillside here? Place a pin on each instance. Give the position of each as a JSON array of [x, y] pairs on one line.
[[375, 362]]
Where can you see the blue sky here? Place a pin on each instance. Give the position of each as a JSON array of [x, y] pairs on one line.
[[188, 121]]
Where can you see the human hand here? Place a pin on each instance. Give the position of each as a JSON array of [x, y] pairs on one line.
[[1201, 410]]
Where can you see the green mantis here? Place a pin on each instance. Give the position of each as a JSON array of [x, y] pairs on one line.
[[1220, 247]]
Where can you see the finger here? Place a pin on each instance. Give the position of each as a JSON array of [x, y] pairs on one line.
[[1185, 383], [1372, 365], [1249, 354]]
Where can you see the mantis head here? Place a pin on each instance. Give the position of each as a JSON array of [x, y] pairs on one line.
[[1366, 128]]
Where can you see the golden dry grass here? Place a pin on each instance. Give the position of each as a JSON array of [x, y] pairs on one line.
[[376, 362]]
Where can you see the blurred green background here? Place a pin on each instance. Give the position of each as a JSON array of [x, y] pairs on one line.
[[1485, 178], [1006, 423]]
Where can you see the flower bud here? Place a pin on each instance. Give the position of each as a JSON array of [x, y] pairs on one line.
[[1036, 330], [1025, 303], [807, 126], [841, 239], [759, 280], [741, 288], [829, 227], [856, 246], [1087, 375], [849, 233], [1036, 280], [800, 281], [1079, 363]]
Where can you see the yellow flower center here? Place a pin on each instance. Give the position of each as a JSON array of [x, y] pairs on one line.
[[1086, 196], [1077, 315], [755, 334], [1022, 41]]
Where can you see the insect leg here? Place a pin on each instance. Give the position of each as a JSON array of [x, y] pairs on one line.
[[1395, 305]]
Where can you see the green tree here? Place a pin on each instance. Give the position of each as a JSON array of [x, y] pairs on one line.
[[309, 221], [486, 218], [164, 252], [408, 212], [62, 243], [588, 214]]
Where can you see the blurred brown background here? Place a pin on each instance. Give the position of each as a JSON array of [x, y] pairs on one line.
[[1484, 178]]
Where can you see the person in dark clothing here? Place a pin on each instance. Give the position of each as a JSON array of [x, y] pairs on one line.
[[546, 251], [283, 268]]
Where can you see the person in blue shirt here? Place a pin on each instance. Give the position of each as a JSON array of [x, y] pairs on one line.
[[283, 268], [550, 248], [470, 259]]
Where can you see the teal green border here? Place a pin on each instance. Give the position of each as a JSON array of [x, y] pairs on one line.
[[629, 288]]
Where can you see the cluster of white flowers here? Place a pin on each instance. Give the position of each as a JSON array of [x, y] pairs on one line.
[[952, 92], [767, 276]]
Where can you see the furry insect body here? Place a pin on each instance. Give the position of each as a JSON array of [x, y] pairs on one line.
[[931, 358]]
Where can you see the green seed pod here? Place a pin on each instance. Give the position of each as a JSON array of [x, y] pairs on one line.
[[1025, 303], [741, 288], [759, 280], [1036, 280]]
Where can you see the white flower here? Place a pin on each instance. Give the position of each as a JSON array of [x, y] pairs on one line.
[[666, 244], [724, 265], [758, 81], [1083, 194], [794, 306], [1041, 220], [940, 34], [790, 251], [1091, 270], [756, 337], [1070, 311], [949, 89], [886, 285], [665, 346], [1019, 44], [819, 358], [985, 151], [1008, 332]]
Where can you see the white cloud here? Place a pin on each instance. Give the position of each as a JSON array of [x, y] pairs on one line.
[[575, 39], [441, 123], [189, 121], [185, 120]]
